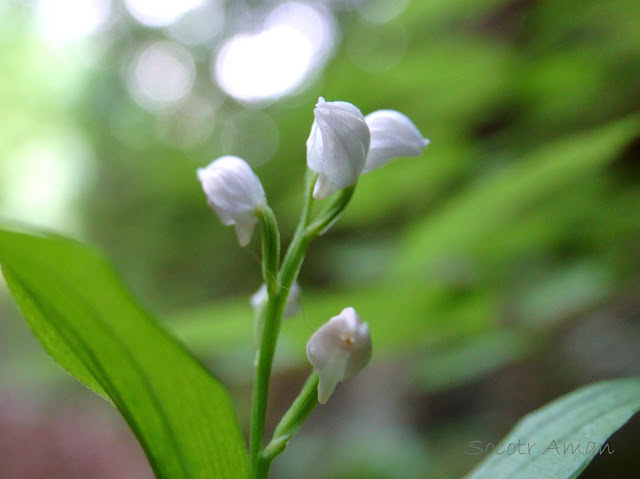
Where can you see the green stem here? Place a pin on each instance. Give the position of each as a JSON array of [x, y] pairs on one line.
[[329, 216], [300, 241], [262, 469], [309, 182], [293, 419], [271, 329], [278, 294], [273, 317], [270, 247]]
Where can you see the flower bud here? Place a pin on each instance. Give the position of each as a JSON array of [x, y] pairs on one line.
[[339, 350], [337, 146], [392, 135], [260, 297], [234, 192]]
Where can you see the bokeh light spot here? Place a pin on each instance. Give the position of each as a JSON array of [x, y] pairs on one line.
[[190, 125], [200, 25], [44, 179], [66, 20], [160, 13], [161, 75], [294, 42]]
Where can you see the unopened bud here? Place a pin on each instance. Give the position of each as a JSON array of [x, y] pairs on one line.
[[337, 146], [260, 297], [392, 135], [234, 192]]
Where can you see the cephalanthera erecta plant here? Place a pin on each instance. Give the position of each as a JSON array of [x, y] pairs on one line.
[[342, 145]]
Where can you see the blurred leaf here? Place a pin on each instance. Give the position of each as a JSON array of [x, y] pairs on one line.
[[427, 316], [431, 84], [86, 319], [430, 316], [561, 293], [474, 359], [477, 213], [563, 87], [566, 434], [423, 179]]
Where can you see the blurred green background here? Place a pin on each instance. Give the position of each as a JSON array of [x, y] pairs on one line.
[[497, 271]]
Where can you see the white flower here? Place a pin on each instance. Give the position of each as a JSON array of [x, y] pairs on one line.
[[339, 350], [337, 146], [234, 192], [392, 135], [260, 297]]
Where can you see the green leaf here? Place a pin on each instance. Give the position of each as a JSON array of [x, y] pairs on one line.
[[88, 322], [224, 331], [565, 435]]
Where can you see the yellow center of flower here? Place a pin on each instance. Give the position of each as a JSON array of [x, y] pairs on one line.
[[348, 340]]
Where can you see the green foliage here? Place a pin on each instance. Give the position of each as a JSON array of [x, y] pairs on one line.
[[457, 364], [229, 332], [562, 438], [520, 219], [474, 215], [88, 322], [471, 225]]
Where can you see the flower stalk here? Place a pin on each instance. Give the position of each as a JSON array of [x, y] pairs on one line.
[[288, 273], [270, 247], [273, 318], [292, 420], [342, 145], [328, 217], [271, 329]]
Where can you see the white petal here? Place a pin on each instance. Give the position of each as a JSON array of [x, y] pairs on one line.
[[293, 301], [244, 229], [392, 135], [361, 351], [337, 146], [345, 145], [314, 149], [323, 189], [329, 377], [328, 359], [225, 217], [338, 350], [234, 192], [238, 182], [260, 298]]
